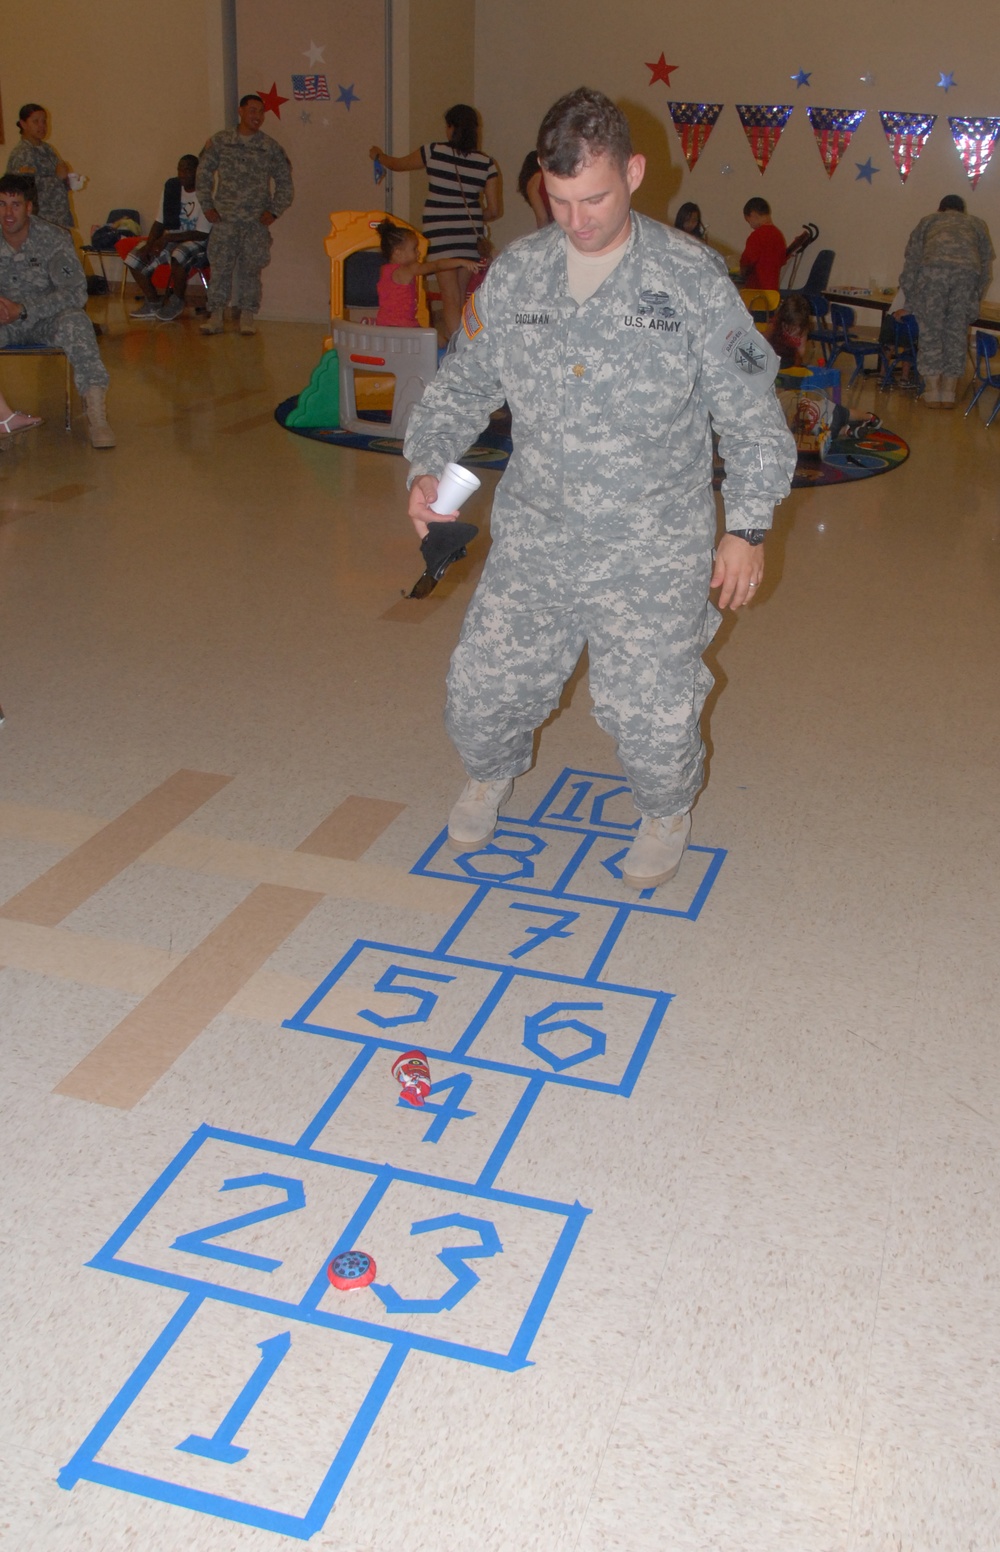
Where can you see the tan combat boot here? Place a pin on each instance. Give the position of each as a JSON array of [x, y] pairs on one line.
[[215, 324], [101, 434], [247, 325], [932, 390], [948, 388]]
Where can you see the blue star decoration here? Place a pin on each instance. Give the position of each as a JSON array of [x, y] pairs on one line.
[[801, 77], [866, 171], [946, 79], [347, 95]]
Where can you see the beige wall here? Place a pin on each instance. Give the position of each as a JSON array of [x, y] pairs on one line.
[[437, 70], [327, 142], [129, 90], [530, 51]]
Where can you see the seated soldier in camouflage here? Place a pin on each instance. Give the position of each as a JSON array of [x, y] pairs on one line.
[[43, 293]]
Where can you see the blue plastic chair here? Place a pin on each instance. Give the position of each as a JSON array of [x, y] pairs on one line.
[[903, 350], [846, 343], [985, 377], [823, 332]]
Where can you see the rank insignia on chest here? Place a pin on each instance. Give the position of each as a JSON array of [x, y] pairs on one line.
[[579, 370], [655, 304]]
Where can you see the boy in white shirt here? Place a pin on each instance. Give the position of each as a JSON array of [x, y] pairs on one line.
[[179, 235]]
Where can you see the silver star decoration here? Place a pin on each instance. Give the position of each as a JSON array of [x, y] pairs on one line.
[[314, 53], [305, 117]]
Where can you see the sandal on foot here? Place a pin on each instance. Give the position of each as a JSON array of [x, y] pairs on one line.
[[18, 420]]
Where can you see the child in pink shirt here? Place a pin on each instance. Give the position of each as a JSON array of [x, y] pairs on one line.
[[397, 281]]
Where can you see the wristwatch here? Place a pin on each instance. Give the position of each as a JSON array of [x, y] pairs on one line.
[[751, 535]]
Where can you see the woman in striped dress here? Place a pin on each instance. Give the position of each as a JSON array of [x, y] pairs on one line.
[[463, 196]]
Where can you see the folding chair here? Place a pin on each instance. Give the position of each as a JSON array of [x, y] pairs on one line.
[[121, 213], [846, 343], [46, 350], [985, 377]]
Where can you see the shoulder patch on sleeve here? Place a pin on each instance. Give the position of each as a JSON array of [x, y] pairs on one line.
[[471, 321], [744, 351]]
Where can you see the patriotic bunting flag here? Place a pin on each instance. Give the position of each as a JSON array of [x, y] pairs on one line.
[[974, 140], [833, 128], [763, 123], [907, 134], [310, 88], [694, 122]]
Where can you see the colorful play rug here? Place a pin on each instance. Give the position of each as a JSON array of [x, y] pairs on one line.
[[847, 458]]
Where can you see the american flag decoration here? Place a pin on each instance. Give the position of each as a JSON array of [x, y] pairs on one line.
[[694, 122], [974, 140], [310, 88], [907, 134], [763, 123], [833, 128]]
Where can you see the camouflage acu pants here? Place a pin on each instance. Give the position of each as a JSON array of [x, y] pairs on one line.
[[645, 630], [73, 332], [946, 302], [237, 252]]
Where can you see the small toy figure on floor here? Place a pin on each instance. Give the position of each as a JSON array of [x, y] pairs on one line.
[[788, 331], [397, 281]]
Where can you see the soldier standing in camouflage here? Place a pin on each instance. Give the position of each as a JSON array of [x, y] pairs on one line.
[[618, 344], [946, 272], [244, 184], [43, 293]]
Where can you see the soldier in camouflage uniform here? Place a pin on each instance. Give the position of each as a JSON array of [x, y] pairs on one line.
[[244, 184], [43, 293], [35, 158], [615, 369], [946, 272]]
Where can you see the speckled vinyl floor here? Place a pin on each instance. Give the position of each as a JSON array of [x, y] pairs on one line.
[[697, 1243]]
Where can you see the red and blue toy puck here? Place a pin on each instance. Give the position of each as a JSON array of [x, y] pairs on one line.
[[351, 1269]]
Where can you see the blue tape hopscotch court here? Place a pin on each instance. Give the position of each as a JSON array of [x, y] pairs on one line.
[[511, 1002]]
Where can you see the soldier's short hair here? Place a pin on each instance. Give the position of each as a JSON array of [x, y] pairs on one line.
[[953, 202], [579, 127], [20, 183], [251, 97]]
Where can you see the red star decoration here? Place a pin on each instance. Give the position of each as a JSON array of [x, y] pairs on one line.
[[661, 70], [272, 102]]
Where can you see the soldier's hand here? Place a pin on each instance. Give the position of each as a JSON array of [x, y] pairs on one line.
[[211, 215], [422, 492], [268, 218], [738, 571]]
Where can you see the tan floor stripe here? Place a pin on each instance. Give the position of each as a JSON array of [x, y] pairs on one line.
[[147, 1042], [75, 956], [367, 881], [58, 826], [64, 493], [76, 877], [351, 828]]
